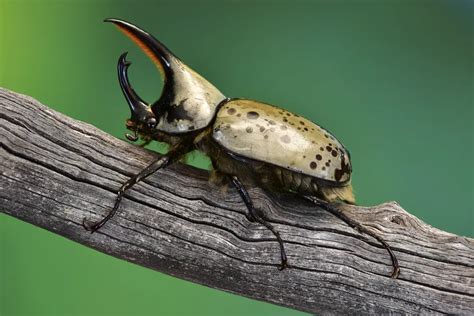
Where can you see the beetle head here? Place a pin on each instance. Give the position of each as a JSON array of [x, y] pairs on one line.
[[188, 101]]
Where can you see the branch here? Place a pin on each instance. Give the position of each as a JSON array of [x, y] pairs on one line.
[[55, 171]]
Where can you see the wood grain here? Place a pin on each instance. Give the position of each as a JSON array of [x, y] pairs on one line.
[[54, 171]]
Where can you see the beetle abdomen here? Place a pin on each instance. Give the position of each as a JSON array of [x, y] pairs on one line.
[[269, 134], [271, 176]]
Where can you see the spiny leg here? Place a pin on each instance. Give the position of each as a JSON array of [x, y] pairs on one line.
[[354, 224], [254, 216], [173, 155]]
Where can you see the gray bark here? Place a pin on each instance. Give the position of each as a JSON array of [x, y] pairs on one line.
[[54, 171]]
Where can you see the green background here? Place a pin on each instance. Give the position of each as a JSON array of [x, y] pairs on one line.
[[392, 79]]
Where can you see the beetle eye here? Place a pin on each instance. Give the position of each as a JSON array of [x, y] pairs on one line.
[[151, 122]]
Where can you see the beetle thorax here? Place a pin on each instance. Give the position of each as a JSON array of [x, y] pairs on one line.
[[189, 102]]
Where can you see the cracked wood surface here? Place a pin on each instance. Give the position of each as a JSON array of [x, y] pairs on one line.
[[54, 171]]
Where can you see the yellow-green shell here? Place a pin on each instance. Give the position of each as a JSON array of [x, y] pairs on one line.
[[267, 133]]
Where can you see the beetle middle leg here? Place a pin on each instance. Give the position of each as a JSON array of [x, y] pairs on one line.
[[159, 163], [361, 228], [254, 216]]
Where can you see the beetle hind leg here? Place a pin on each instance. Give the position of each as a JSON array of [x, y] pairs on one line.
[[361, 228], [254, 216]]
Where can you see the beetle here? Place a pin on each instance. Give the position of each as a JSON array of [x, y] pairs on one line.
[[248, 142]]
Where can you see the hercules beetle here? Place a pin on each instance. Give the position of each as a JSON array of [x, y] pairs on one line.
[[247, 141]]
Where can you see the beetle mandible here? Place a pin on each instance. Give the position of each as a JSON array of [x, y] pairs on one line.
[[247, 141]]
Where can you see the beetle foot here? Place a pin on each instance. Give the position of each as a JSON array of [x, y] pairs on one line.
[[395, 272], [91, 226], [283, 265], [250, 217]]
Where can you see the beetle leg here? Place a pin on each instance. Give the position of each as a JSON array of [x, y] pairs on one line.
[[361, 228], [251, 215], [159, 163], [254, 216], [145, 143]]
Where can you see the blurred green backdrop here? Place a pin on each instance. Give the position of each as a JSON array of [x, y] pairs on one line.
[[392, 79]]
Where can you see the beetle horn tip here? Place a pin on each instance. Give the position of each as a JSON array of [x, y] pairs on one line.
[[123, 59], [110, 20]]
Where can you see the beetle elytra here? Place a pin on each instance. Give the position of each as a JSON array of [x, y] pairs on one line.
[[247, 141]]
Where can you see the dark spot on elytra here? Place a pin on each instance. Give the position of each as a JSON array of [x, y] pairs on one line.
[[319, 157], [313, 165], [334, 153], [324, 168], [304, 156], [321, 148], [299, 128], [288, 114], [291, 123], [285, 119], [231, 111], [262, 128], [252, 115], [328, 148], [249, 129], [326, 135], [271, 122], [327, 164], [283, 127], [301, 122], [239, 115], [306, 129], [266, 136], [286, 139]]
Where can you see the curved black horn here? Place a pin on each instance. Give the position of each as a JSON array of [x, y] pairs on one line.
[[184, 91], [138, 107], [158, 53]]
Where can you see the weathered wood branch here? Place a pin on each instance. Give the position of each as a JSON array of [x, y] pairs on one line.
[[55, 171]]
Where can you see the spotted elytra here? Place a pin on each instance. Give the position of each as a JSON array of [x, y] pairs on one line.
[[248, 142]]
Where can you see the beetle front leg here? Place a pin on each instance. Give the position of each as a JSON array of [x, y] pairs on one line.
[[159, 163], [145, 143], [254, 216], [361, 228]]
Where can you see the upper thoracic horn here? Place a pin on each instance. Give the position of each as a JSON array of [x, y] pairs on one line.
[[188, 101]]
